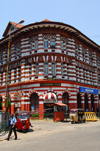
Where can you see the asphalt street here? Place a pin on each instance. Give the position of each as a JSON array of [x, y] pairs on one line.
[[60, 136]]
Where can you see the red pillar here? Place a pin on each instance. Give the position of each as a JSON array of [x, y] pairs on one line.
[[41, 108], [96, 103], [12, 108]]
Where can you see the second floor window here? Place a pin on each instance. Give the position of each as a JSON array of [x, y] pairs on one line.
[[61, 44], [46, 69], [36, 43], [53, 68], [62, 68], [46, 43], [37, 68], [52, 43]]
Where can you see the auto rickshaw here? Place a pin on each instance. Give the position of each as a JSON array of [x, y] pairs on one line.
[[23, 120], [77, 115]]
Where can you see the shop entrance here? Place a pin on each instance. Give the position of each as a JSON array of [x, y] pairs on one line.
[[34, 102], [49, 108], [49, 99], [86, 102], [78, 100], [92, 103], [65, 100]]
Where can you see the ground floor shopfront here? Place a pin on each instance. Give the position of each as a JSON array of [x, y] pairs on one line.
[[40, 96]]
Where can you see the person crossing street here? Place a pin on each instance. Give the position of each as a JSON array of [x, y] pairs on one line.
[[12, 127]]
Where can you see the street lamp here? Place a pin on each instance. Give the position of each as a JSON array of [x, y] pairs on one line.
[[7, 93]]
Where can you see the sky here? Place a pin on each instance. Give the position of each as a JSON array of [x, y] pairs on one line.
[[81, 14]]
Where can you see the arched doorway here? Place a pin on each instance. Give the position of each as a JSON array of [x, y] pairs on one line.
[[0, 102], [65, 100], [92, 103], [49, 99], [34, 101], [86, 101], [78, 100]]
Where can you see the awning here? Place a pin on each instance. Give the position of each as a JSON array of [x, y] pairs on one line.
[[59, 104], [50, 96]]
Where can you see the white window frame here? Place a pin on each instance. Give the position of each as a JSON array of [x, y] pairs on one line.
[[36, 44], [52, 42], [53, 68], [45, 43], [46, 68]]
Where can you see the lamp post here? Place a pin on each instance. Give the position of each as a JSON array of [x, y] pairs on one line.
[[7, 93]]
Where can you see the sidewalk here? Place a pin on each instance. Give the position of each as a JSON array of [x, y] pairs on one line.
[[3, 135]]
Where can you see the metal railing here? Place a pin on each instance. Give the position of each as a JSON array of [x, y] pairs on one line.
[[3, 126]]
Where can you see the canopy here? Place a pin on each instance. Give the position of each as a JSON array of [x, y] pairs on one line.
[[50, 95], [59, 104]]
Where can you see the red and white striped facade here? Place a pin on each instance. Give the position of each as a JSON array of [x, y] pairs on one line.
[[79, 55]]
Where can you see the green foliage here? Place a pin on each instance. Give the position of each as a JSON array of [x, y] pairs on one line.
[[9, 103], [35, 115]]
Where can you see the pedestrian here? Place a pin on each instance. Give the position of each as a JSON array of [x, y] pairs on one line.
[[12, 126]]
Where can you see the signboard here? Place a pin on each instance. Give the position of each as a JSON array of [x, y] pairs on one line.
[[50, 84], [49, 101], [88, 90]]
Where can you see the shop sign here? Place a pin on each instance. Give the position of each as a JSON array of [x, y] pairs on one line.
[[49, 101], [50, 84], [88, 90]]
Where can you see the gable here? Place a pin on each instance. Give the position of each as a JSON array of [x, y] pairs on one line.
[[11, 27]]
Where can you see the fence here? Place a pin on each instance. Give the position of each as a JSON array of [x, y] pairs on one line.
[[2, 126]]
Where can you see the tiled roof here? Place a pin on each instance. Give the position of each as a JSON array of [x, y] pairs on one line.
[[46, 20], [17, 25]]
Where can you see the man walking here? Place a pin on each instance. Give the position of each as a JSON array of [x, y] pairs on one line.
[[12, 126]]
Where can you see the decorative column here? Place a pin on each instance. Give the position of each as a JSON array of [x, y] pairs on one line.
[[13, 74], [65, 70], [23, 70], [80, 53], [4, 78], [57, 42], [32, 71], [41, 106], [40, 43], [82, 100], [17, 75], [12, 108], [89, 102], [96, 102], [71, 47]]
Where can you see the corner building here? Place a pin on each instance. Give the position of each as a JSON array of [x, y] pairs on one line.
[[49, 62]]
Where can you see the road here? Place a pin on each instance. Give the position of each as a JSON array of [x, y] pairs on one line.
[[60, 136]]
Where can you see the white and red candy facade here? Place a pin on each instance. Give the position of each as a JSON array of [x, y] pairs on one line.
[[76, 61]]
